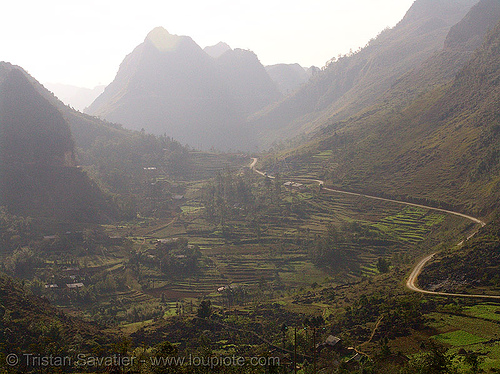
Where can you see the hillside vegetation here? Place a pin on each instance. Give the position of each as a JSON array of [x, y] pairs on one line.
[[355, 81], [440, 146], [30, 324], [472, 268], [447, 138]]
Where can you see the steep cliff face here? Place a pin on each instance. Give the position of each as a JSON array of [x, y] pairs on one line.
[[288, 77], [38, 173], [470, 31], [247, 80], [32, 130]]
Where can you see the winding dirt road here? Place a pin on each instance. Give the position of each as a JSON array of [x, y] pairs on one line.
[[411, 283]]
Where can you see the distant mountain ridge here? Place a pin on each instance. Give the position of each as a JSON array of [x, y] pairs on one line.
[[354, 82], [288, 77], [217, 50], [76, 97], [434, 135], [168, 84]]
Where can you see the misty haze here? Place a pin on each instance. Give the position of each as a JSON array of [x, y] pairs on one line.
[[250, 188]]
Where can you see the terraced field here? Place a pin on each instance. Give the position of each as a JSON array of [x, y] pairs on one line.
[[459, 338], [280, 253], [410, 225], [205, 165], [488, 311]]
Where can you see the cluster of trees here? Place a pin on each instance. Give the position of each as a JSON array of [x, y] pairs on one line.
[[232, 295], [239, 197], [180, 261], [119, 163], [436, 359], [334, 248], [23, 262], [400, 315], [15, 231], [176, 258], [226, 196]]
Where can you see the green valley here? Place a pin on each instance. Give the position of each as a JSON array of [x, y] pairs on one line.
[[362, 237]]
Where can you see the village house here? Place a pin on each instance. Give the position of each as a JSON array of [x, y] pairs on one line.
[[294, 186], [73, 286]]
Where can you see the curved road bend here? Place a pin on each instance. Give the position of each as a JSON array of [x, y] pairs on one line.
[[411, 283]]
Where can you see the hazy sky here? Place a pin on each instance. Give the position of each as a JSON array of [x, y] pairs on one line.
[[83, 42]]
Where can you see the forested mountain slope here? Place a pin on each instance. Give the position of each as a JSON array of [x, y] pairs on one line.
[[30, 325]]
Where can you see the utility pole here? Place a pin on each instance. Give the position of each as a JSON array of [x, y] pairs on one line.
[[295, 352], [314, 350], [283, 330]]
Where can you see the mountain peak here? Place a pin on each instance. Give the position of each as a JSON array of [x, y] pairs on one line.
[[217, 50], [158, 33], [162, 40]]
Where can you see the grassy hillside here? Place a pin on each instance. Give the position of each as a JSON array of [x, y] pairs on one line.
[[440, 146], [444, 145], [472, 268], [353, 82], [29, 325]]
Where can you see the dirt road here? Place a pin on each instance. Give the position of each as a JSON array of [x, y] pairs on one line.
[[411, 283]]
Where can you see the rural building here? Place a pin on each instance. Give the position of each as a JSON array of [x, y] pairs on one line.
[[294, 186], [168, 240], [228, 287], [356, 361], [332, 342], [74, 285]]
